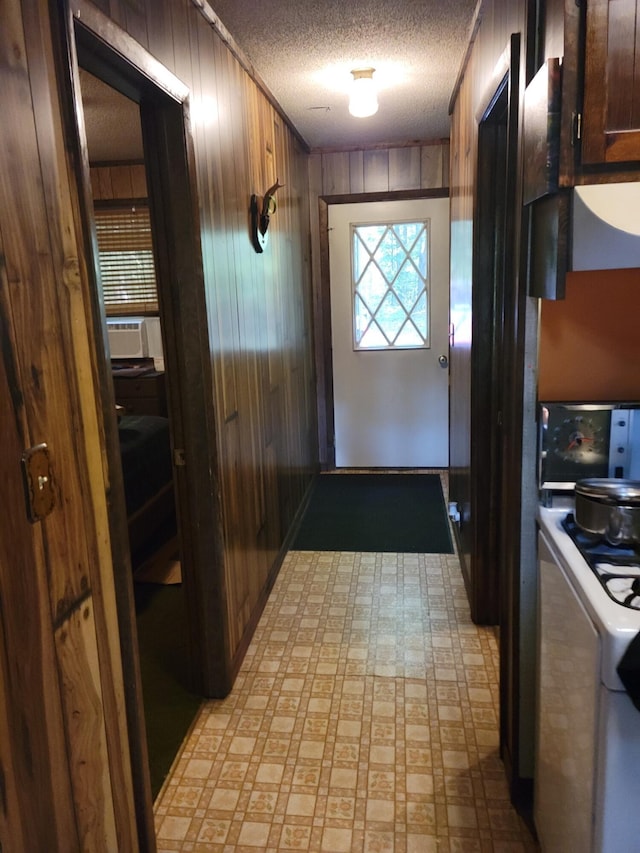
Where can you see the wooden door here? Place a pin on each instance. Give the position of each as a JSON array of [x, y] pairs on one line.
[[66, 770], [611, 115]]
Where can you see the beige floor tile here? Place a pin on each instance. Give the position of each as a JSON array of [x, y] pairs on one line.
[[364, 718], [336, 840], [295, 838], [174, 828], [254, 834]]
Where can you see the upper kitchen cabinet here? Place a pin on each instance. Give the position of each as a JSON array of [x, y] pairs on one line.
[[597, 41], [611, 111]]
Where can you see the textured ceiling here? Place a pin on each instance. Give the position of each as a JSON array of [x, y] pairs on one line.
[[304, 51], [112, 122]]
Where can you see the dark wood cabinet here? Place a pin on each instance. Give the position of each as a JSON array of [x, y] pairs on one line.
[[141, 394], [600, 104], [611, 113]]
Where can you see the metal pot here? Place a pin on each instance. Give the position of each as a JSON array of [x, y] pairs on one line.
[[609, 508]]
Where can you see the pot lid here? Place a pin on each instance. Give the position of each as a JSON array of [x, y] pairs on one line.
[[610, 491]]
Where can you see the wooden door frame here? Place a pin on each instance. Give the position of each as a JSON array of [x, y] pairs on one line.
[[516, 545], [497, 422], [489, 267], [322, 312], [498, 118], [110, 53]]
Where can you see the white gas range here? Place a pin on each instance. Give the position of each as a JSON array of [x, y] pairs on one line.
[[587, 785]]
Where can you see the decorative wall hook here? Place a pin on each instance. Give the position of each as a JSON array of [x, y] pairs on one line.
[[260, 216]]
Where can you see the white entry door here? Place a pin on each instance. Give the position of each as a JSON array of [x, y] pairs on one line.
[[390, 339]]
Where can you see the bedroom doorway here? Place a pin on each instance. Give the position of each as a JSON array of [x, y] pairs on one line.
[[162, 101], [125, 253]]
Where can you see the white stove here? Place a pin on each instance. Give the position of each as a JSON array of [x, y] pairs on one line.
[[617, 567], [615, 623], [587, 787]]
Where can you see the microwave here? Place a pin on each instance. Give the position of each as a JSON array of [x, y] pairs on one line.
[[577, 440]]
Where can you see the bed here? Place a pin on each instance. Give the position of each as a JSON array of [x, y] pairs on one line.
[[145, 450]]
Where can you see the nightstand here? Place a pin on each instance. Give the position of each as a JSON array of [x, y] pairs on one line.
[[140, 390]]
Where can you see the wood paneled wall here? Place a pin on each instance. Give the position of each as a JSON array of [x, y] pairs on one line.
[[258, 304], [498, 19], [259, 320], [66, 775], [118, 181], [377, 170]]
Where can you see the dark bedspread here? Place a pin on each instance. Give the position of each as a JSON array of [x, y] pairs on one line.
[[146, 457]]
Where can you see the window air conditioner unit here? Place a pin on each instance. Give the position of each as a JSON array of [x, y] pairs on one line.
[[128, 338]]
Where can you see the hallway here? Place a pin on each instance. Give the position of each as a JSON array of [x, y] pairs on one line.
[[333, 740]]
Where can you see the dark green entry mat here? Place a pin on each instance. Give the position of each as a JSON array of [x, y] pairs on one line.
[[402, 513], [169, 705]]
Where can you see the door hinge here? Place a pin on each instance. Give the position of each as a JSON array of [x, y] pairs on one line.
[[576, 130], [179, 458]]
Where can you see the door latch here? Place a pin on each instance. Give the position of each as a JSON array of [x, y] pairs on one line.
[[38, 482]]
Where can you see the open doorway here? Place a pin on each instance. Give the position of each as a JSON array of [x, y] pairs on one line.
[[136, 364], [498, 594], [163, 104], [490, 268]]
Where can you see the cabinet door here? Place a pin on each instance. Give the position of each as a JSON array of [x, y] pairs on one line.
[[611, 119]]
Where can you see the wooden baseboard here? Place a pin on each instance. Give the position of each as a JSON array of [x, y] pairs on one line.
[[463, 566], [520, 789]]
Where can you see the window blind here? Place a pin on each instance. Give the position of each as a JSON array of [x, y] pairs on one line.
[[125, 256]]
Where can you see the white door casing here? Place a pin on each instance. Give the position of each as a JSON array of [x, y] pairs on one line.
[[391, 408]]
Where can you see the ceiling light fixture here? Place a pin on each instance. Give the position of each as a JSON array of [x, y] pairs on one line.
[[364, 99]]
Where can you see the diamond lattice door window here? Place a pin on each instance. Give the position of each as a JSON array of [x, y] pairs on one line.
[[390, 278]]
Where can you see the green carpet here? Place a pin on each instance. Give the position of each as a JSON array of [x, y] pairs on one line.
[[169, 705], [402, 513]]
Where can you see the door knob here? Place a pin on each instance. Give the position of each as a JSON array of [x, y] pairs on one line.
[[443, 361]]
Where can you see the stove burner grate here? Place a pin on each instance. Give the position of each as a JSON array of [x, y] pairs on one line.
[[617, 567]]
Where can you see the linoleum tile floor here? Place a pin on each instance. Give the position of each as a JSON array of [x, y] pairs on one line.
[[364, 718]]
